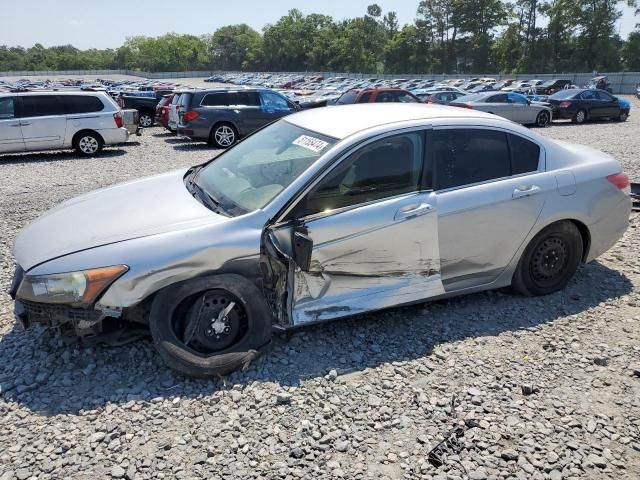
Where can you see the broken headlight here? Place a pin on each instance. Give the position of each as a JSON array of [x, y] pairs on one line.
[[72, 288]]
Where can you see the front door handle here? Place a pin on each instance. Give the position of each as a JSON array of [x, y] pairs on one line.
[[413, 210], [526, 191], [14, 124], [25, 124]]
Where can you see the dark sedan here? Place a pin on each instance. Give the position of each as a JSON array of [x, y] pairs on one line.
[[582, 104]]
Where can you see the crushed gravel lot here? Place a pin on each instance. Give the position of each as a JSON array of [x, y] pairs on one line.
[[553, 382]]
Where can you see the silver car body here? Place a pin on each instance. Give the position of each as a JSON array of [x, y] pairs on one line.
[[55, 131], [509, 105], [407, 248]]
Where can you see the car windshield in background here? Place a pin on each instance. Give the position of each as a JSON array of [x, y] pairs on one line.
[[248, 176], [564, 94]]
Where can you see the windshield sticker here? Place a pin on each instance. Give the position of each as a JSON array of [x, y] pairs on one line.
[[314, 144]]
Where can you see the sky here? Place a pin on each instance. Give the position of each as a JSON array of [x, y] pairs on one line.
[[106, 24]]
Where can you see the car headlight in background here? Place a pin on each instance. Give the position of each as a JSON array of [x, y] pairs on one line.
[[72, 288]]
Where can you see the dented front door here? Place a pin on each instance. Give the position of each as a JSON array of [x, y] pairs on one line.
[[374, 256]]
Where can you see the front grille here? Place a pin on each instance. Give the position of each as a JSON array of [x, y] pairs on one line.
[[56, 315]]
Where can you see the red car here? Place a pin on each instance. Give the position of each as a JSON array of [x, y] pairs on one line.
[[377, 95], [162, 110]]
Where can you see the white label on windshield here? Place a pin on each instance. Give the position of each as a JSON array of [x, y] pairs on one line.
[[310, 143]]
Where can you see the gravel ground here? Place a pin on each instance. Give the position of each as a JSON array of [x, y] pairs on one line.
[[553, 382]]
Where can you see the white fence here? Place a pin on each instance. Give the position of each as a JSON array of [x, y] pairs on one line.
[[621, 82]]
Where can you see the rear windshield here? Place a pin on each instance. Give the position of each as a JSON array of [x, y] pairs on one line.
[[564, 94]]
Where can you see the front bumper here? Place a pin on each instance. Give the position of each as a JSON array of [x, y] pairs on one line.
[[63, 317]]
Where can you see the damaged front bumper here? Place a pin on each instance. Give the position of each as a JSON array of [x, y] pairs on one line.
[[64, 318]]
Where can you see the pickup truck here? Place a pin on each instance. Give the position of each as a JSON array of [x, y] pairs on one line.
[[145, 105]]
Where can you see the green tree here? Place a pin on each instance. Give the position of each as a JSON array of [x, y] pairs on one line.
[[235, 47]]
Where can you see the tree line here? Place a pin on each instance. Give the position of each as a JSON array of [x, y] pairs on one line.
[[447, 36]]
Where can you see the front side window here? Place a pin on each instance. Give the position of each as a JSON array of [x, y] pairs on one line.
[[382, 169], [7, 109], [249, 175], [41, 106], [589, 95], [604, 96], [245, 99], [273, 101], [467, 156], [365, 97]]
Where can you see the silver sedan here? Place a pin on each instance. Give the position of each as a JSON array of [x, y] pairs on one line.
[[328, 213], [510, 105]]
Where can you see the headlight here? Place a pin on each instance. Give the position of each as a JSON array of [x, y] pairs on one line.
[[72, 288]]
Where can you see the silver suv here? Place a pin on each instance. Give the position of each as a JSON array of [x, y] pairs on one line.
[[36, 121]]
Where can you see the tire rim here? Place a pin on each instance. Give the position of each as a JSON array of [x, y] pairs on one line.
[[88, 145], [214, 322], [580, 116], [225, 136], [145, 121], [543, 119], [549, 261]]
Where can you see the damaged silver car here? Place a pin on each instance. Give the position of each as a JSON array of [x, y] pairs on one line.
[[325, 214]]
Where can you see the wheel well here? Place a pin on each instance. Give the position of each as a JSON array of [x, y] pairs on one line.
[[586, 237], [82, 132], [222, 122]]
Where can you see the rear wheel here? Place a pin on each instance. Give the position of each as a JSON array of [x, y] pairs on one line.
[[210, 326], [88, 143], [550, 260], [580, 116], [145, 120], [543, 119], [223, 135]]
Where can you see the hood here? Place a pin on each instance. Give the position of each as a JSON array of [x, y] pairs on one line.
[[122, 212]]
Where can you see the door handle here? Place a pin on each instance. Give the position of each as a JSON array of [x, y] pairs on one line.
[[413, 210], [24, 124], [14, 124], [526, 191]]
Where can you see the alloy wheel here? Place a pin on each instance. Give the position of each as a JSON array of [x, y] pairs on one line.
[[580, 116], [225, 136], [543, 119], [88, 145], [145, 121]]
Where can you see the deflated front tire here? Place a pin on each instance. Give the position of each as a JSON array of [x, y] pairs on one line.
[[210, 326]]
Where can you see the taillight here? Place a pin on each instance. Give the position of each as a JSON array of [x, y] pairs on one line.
[[118, 119], [190, 116], [564, 104], [620, 180], [430, 99]]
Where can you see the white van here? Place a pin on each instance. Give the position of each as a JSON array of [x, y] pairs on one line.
[[36, 121]]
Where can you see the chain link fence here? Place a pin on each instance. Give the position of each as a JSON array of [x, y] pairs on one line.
[[621, 82]]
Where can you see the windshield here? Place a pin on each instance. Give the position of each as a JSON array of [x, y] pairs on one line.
[[248, 176]]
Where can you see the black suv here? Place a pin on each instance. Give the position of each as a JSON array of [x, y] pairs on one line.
[[222, 116]]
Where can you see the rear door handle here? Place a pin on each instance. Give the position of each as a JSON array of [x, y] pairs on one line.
[[25, 124], [14, 124], [414, 210], [526, 191]]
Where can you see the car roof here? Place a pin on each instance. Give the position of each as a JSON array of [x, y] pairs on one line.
[[346, 120]]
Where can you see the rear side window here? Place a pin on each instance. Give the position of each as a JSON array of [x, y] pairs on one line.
[[467, 156], [273, 101], [604, 96], [525, 155], [81, 103], [216, 99], [41, 106], [7, 109]]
